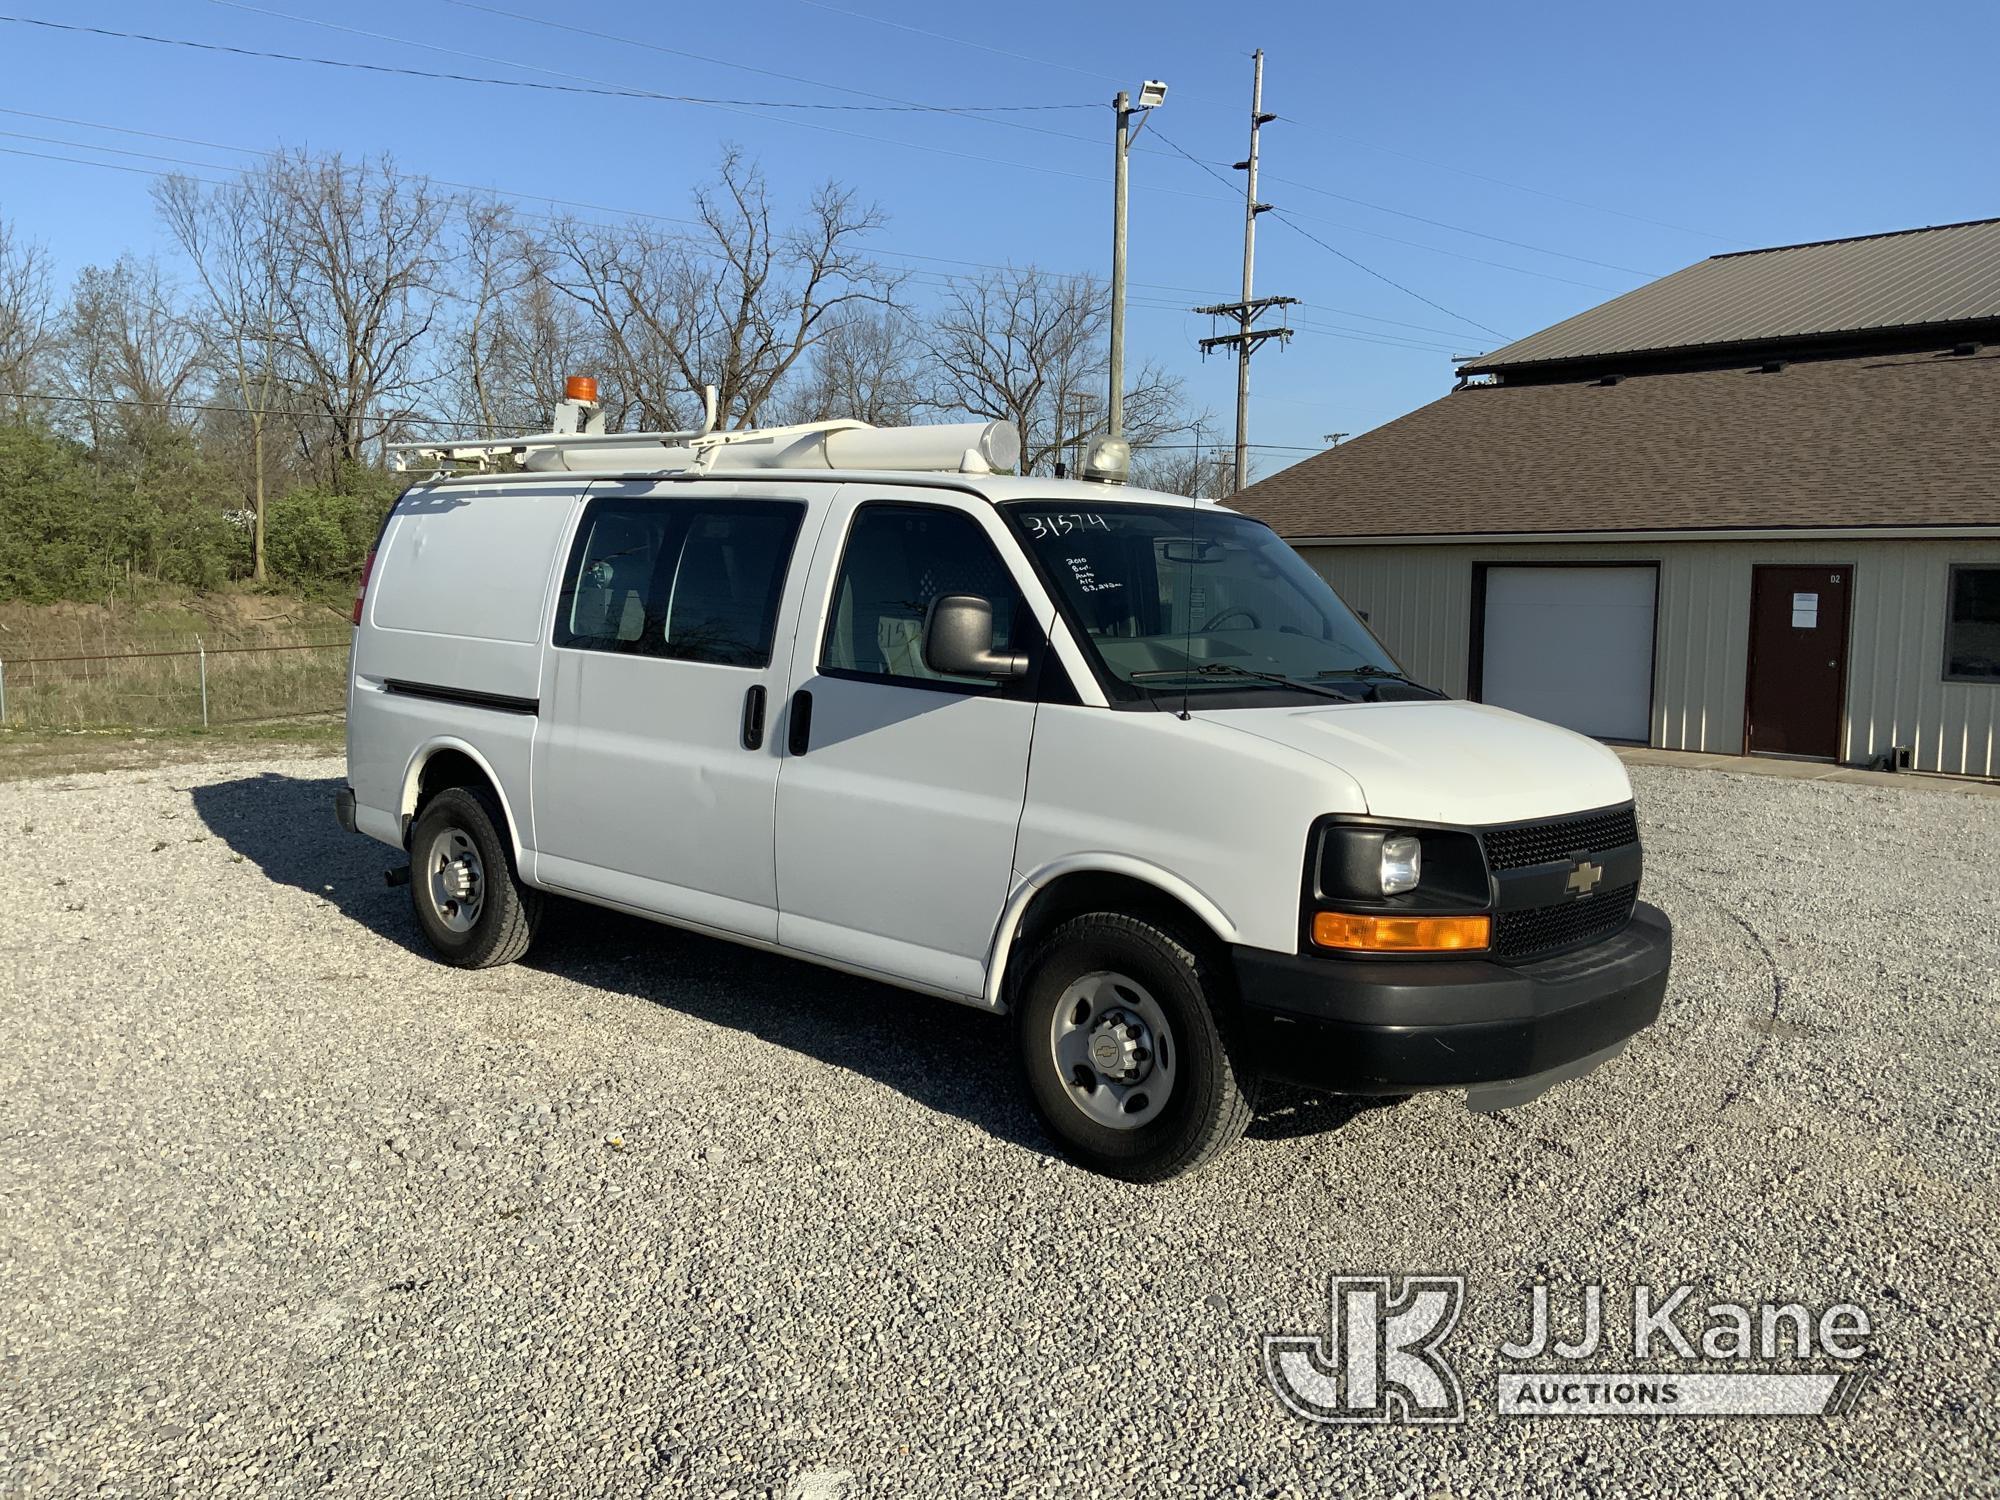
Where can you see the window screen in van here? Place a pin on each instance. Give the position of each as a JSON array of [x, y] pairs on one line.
[[685, 581]]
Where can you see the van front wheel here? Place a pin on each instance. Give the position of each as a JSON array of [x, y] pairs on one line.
[[1127, 1061], [469, 901]]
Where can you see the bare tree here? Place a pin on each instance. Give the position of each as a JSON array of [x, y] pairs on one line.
[[361, 251], [131, 351], [866, 367], [1028, 347], [500, 263], [27, 318], [767, 298], [737, 306], [629, 285], [230, 237]]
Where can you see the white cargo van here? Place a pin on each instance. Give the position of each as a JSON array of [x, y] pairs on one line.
[[1114, 762]]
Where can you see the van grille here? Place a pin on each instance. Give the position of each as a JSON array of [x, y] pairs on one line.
[[1522, 934], [1541, 843]]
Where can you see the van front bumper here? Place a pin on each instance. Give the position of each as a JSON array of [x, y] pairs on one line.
[[1501, 1032]]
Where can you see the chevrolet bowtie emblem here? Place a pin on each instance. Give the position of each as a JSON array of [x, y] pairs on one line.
[[1583, 879]]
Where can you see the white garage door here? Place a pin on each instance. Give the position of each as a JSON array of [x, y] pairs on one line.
[[1573, 646]]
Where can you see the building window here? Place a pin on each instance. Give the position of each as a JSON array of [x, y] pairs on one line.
[[1972, 626]]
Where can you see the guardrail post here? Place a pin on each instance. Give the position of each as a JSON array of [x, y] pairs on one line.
[[202, 652]]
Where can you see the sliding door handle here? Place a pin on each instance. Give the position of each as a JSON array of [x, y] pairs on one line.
[[753, 718], [798, 738]]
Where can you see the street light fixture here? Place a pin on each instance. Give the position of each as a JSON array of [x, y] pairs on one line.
[[1151, 93]]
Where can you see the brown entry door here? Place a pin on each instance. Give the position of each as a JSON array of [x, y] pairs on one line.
[[1798, 659]]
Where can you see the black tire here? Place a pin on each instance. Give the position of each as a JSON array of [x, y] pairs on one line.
[[508, 911], [1211, 1098]]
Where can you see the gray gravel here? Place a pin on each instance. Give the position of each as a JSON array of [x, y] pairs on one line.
[[286, 1206]]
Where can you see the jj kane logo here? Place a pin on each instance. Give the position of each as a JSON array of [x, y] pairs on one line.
[[1380, 1360], [1384, 1356]]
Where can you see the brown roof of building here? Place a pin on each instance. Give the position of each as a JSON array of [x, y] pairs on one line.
[[1887, 440], [1933, 277]]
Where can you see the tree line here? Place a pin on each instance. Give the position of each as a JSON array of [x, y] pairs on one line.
[[223, 414]]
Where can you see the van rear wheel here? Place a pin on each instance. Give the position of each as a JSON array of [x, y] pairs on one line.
[[1127, 1060], [469, 899]]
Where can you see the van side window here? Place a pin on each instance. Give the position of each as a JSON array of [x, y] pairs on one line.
[[897, 560], [689, 581]]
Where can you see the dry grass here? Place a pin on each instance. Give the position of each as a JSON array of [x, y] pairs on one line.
[[74, 667]]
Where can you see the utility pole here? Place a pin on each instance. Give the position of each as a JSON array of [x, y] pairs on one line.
[[1151, 93], [1246, 312]]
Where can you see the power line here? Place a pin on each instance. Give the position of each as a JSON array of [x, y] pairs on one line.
[[590, 85], [722, 62], [605, 89], [488, 188], [944, 277], [1497, 239], [906, 104], [1341, 253], [1061, 135], [1287, 221], [602, 90], [1301, 123], [1519, 187], [635, 213]]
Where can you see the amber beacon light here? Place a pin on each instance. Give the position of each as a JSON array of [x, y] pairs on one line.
[[580, 388], [1361, 934]]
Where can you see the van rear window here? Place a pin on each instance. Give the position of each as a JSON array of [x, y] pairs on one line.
[[688, 582]]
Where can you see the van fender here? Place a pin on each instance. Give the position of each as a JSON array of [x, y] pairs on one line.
[[1165, 881], [407, 809]]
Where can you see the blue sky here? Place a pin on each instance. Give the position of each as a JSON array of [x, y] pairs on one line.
[[1632, 140]]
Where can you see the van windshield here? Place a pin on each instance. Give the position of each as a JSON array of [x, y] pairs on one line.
[[1169, 599]]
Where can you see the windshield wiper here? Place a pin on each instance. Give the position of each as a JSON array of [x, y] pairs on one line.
[[1229, 669], [1370, 672]]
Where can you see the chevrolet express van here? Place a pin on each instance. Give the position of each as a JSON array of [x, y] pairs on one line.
[[1117, 764]]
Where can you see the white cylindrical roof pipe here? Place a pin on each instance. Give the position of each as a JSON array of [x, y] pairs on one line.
[[946, 446]]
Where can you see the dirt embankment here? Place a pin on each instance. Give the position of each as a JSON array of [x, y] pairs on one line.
[[169, 620]]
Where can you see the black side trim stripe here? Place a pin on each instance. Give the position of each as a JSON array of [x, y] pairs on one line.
[[499, 702]]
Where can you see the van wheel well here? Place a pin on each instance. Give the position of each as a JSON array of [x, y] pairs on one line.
[[1096, 891], [447, 768]]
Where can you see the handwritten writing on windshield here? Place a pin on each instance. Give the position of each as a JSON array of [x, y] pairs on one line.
[[1041, 528], [1087, 580]]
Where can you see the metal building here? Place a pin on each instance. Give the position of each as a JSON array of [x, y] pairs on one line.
[[1752, 507]]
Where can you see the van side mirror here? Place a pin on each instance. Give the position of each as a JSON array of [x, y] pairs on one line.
[[958, 640]]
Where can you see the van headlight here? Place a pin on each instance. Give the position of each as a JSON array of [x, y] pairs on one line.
[[1355, 860], [1402, 863]]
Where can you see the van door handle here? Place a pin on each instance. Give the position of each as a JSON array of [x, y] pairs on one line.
[[753, 718], [799, 739]]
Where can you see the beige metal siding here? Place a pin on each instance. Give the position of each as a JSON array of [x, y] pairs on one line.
[[1419, 599]]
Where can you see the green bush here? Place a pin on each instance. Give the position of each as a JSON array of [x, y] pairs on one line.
[[57, 541], [317, 538], [148, 505]]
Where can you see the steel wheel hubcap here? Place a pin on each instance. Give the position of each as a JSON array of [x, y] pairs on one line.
[[455, 879], [1113, 1050]]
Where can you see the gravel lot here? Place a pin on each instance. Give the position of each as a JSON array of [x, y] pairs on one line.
[[286, 1206]]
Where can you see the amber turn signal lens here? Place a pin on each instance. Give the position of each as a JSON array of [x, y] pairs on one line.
[[1357, 934]]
